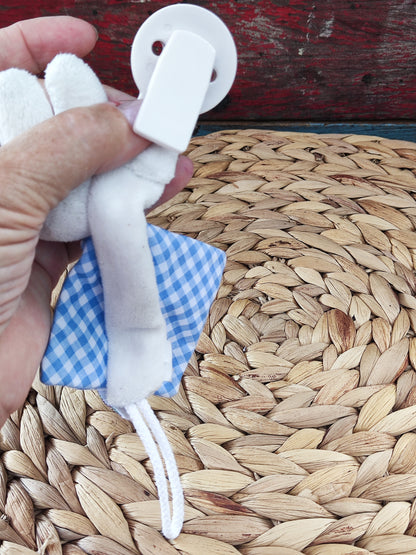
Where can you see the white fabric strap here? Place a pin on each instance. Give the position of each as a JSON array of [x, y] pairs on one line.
[[154, 439]]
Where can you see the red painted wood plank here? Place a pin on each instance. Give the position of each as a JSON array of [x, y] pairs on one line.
[[321, 60]]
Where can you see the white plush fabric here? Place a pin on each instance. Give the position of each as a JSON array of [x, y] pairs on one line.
[[69, 220], [70, 83], [139, 354], [23, 103]]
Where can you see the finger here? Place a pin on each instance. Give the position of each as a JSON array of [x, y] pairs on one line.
[[128, 104], [31, 44], [23, 342], [54, 257], [40, 167], [184, 171]]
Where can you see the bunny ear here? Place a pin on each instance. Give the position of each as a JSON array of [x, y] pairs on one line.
[[23, 103], [71, 83]]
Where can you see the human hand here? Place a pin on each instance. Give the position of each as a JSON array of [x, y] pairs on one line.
[[37, 170]]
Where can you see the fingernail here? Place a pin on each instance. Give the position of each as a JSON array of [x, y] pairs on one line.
[[130, 109]]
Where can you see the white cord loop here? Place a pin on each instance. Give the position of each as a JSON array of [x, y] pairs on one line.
[[154, 440]]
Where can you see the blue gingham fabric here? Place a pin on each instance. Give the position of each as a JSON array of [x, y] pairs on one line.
[[188, 275]]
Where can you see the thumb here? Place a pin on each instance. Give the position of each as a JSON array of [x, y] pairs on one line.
[[40, 167]]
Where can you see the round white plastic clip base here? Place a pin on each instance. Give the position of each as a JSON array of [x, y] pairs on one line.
[[159, 27]]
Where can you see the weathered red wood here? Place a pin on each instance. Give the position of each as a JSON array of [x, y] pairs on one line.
[[299, 60]]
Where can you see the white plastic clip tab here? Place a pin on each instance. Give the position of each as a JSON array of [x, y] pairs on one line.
[[193, 73]]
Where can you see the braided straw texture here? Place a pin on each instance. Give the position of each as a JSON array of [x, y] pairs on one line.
[[295, 426]]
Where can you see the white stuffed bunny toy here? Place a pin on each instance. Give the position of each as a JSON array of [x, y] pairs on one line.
[[110, 208]]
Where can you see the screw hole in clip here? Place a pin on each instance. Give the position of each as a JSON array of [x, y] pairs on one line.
[[214, 75], [157, 47]]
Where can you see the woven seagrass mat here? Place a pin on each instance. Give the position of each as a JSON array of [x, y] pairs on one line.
[[295, 426]]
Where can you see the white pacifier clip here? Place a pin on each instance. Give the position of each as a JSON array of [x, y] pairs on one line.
[[193, 73]]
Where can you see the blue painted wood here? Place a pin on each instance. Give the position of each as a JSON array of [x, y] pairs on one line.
[[402, 131]]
